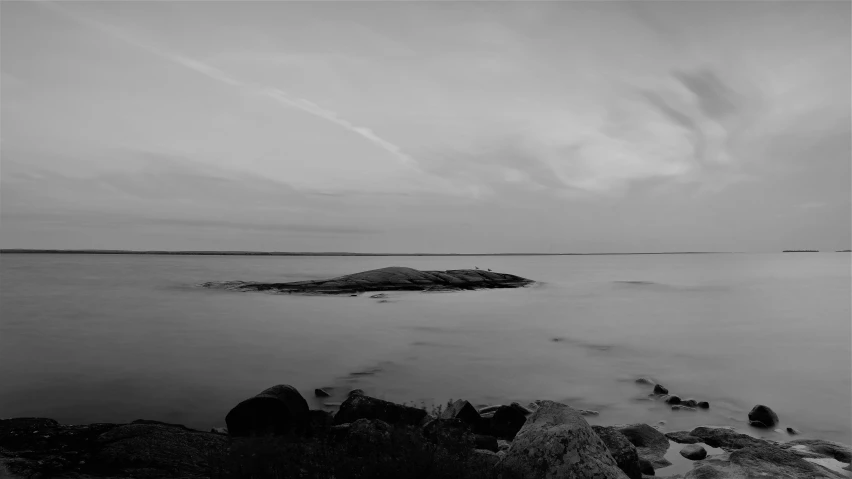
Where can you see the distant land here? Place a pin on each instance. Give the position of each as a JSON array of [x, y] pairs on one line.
[[800, 251], [288, 253]]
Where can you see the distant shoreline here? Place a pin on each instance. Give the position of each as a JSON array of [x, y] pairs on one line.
[[284, 253]]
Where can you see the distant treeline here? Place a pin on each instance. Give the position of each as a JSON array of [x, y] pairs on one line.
[[285, 253]]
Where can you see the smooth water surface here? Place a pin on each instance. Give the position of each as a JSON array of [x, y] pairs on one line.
[[102, 338]]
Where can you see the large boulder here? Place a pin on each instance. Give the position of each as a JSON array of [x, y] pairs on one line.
[[506, 422], [650, 443], [762, 416], [279, 410], [463, 411], [621, 449], [365, 407], [555, 442]]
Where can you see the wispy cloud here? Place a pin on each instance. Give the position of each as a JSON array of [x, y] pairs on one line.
[[210, 71]]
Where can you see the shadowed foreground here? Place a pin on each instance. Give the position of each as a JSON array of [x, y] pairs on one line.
[[393, 278]]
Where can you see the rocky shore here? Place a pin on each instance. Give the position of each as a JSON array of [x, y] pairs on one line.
[[275, 434], [393, 278]]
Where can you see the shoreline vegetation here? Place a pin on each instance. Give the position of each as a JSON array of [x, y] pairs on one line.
[[293, 253], [276, 435]]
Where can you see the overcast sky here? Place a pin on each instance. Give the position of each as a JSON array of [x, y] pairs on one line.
[[426, 127]]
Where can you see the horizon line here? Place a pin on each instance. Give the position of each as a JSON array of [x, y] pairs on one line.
[[322, 253]]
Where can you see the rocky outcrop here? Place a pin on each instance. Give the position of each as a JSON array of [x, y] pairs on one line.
[[622, 451], [726, 438], [463, 411], [760, 461], [835, 450], [387, 279], [38, 447], [650, 443], [359, 406], [682, 437], [557, 442], [762, 416], [279, 410]]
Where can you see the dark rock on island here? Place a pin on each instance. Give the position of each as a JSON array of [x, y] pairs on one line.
[[393, 278]]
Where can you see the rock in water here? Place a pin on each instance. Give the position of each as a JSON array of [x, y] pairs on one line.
[[645, 381], [682, 437], [556, 442], [321, 393], [464, 411], [364, 407], [835, 450], [703, 404], [650, 443], [387, 279], [660, 389], [694, 452], [765, 460], [673, 399], [621, 450], [278, 410], [507, 421], [762, 414]]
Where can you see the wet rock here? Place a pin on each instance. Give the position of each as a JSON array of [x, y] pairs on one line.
[[683, 408], [682, 437], [693, 452], [506, 422], [279, 410], [763, 415], [364, 407], [621, 449], [672, 399], [726, 438], [759, 461], [321, 393], [557, 442], [835, 450], [703, 404], [758, 425], [660, 389], [650, 443], [463, 411], [689, 403], [645, 381], [486, 442], [791, 431]]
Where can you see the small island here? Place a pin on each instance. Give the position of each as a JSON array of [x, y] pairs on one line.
[[800, 251], [393, 278]]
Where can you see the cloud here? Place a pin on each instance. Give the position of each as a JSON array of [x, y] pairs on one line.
[[277, 94]]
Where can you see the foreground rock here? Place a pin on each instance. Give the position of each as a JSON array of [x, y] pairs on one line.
[[364, 407], [279, 410], [555, 442], [765, 461], [387, 279], [622, 451], [694, 452], [38, 447], [650, 443], [835, 450]]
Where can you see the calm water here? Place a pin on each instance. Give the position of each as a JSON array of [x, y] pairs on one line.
[[87, 338]]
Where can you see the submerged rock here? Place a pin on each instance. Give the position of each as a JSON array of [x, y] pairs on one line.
[[557, 442], [694, 452], [645, 381], [387, 279], [683, 408], [279, 410], [358, 406], [763, 416]]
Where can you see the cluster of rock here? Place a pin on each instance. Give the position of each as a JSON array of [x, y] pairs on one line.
[[393, 278], [662, 393], [370, 437]]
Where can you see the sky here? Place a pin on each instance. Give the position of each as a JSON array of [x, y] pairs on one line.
[[434, 127]]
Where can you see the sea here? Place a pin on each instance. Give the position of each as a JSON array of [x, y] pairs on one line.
[[113, 338]]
